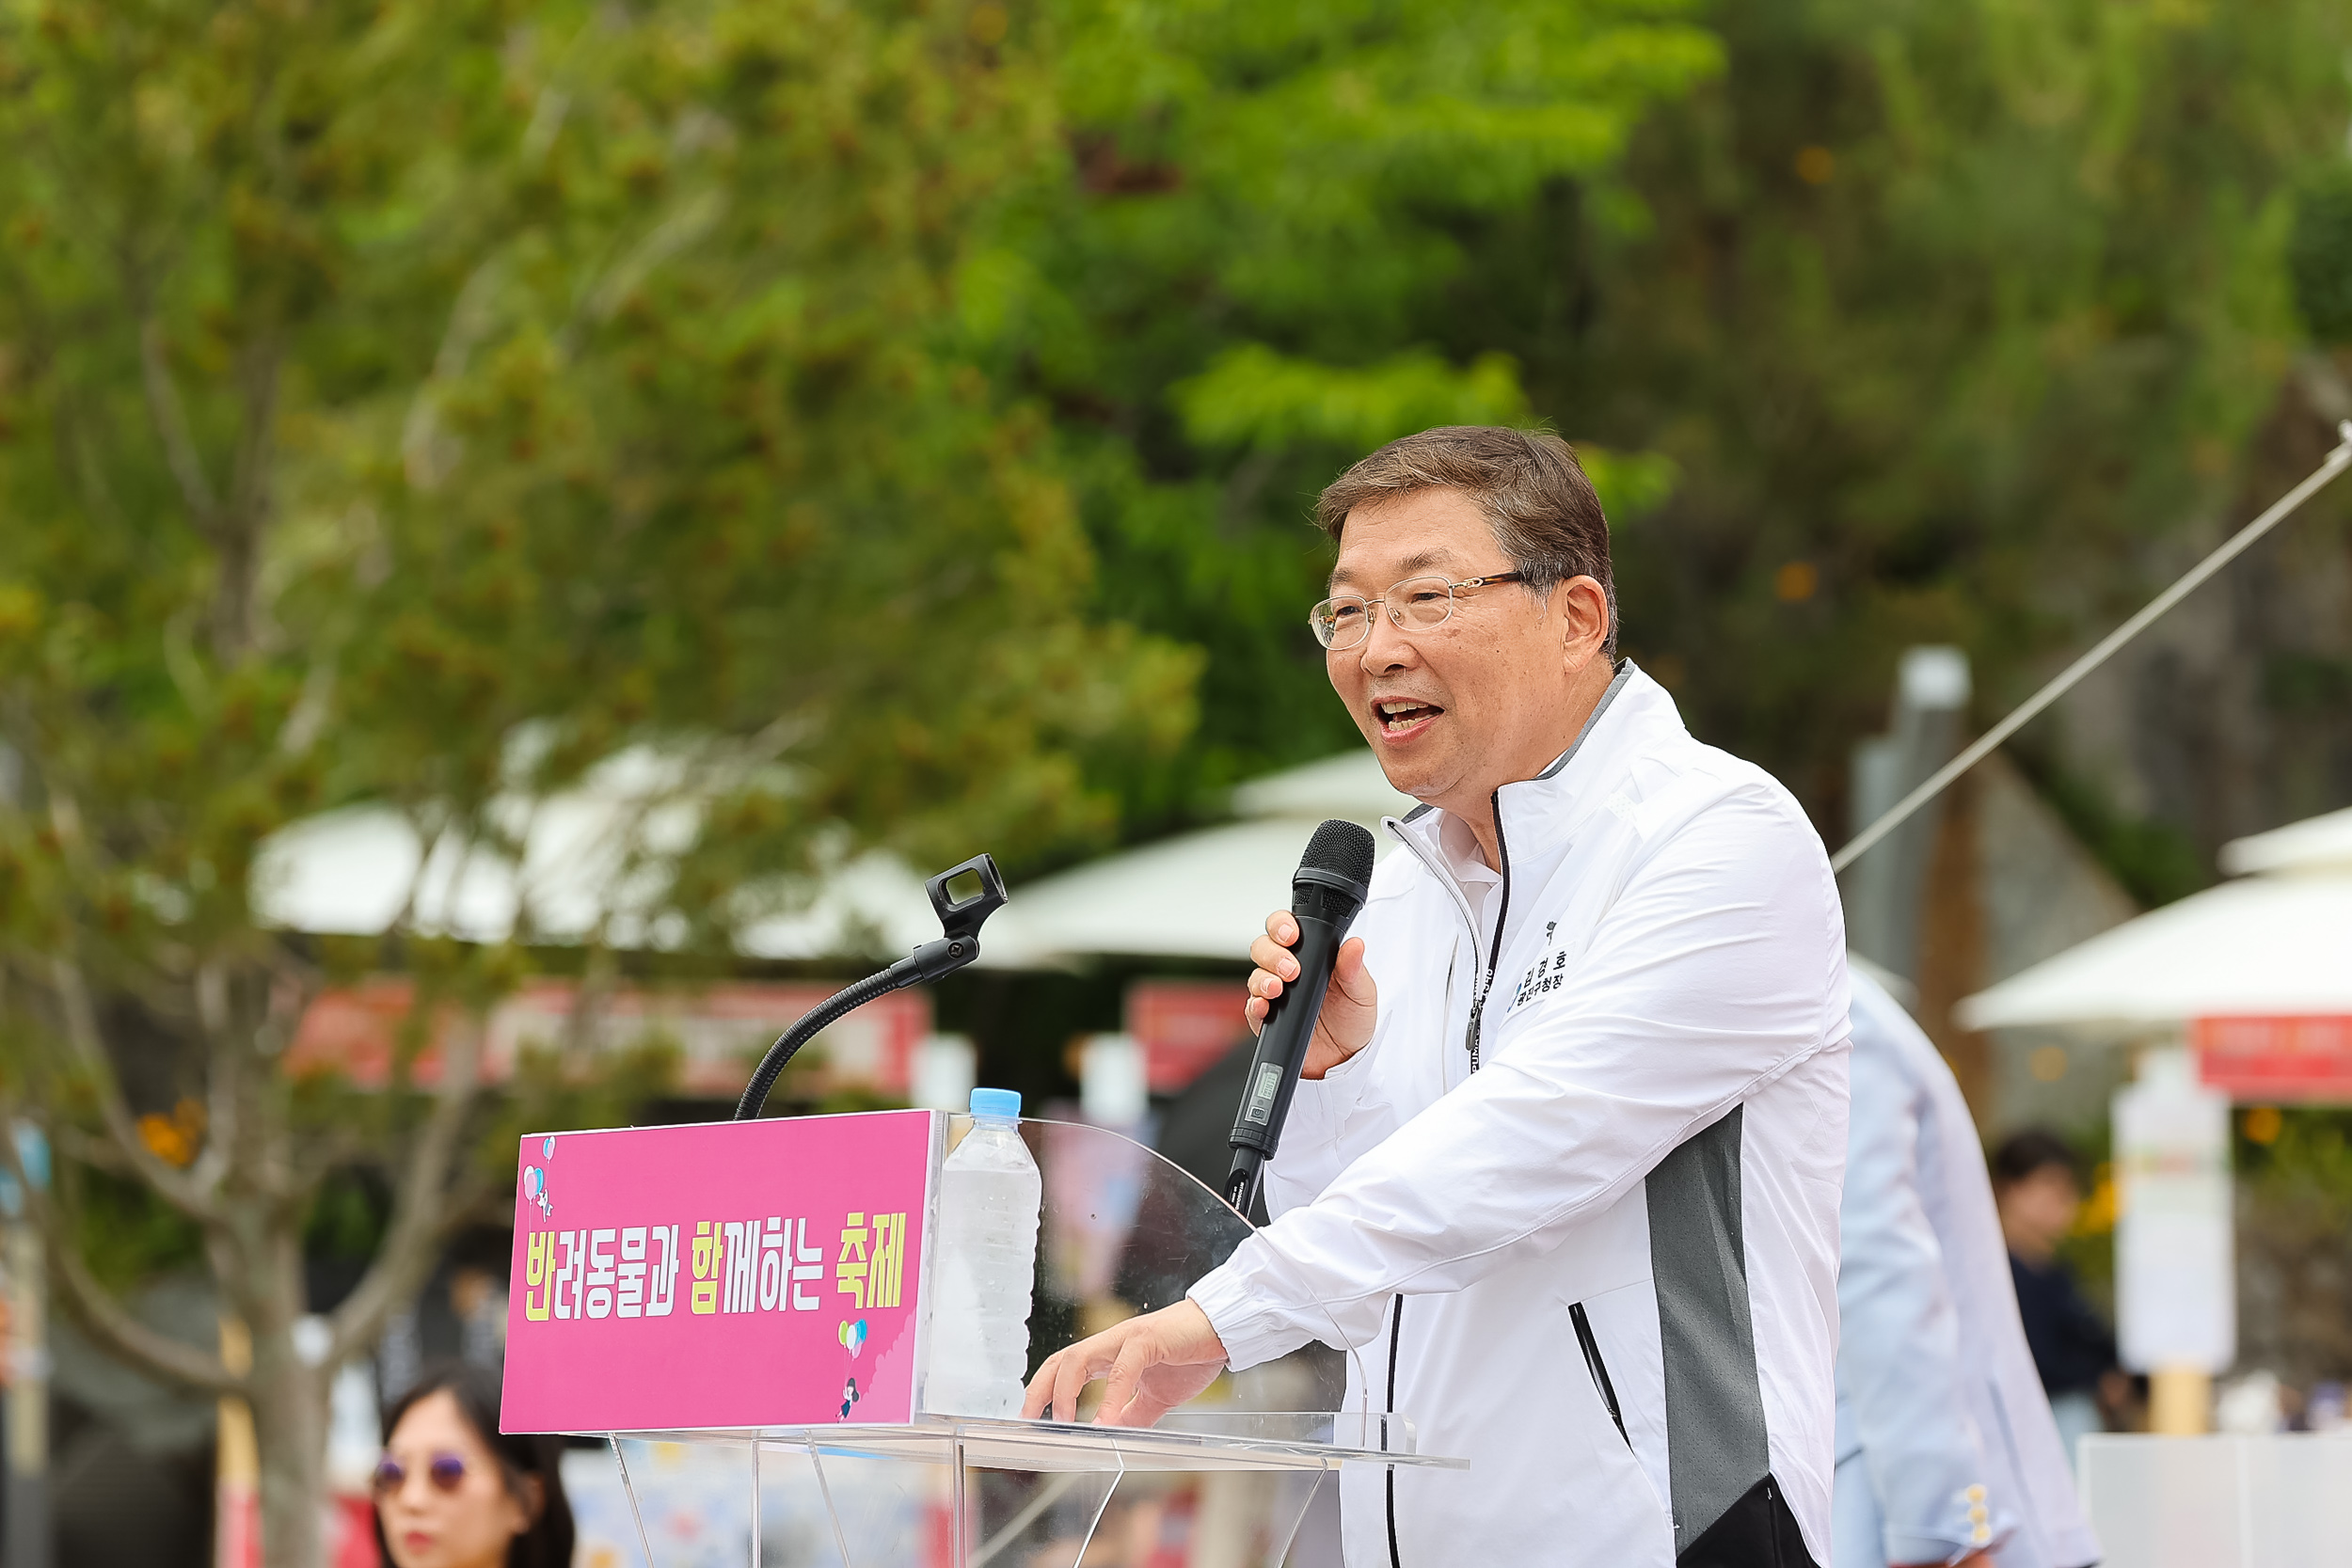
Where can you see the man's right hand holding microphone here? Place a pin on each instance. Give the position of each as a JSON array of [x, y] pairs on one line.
[[1349, 1007]]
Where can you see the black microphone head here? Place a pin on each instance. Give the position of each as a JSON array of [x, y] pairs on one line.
[[1340, 848]]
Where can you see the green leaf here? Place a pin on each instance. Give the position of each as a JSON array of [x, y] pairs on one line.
[[1252, 396], [1631, 483]]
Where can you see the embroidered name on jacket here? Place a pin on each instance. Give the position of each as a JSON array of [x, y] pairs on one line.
[[1547, 974]]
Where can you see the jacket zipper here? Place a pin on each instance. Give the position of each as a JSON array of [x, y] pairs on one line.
[[1502, 914], [1396, 1327], [1586, 1342]]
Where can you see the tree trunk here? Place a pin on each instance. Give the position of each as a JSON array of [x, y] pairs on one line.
[[289, 1403], [290, 1432]]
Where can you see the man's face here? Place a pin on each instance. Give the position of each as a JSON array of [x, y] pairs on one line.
[[1455, 711]]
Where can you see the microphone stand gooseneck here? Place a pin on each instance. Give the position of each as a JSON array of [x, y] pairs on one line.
[[960, 920]]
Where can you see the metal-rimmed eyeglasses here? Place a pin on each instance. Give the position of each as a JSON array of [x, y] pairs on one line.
[[1415, 603]]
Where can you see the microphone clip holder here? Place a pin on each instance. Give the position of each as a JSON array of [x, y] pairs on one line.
[[959, 921]]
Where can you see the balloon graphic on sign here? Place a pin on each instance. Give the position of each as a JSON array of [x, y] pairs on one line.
[[546, 1147], [853, 1337], [536, 1188]]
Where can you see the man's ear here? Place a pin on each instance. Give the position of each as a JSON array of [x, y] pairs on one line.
[[534, 1501], [1584, 619]]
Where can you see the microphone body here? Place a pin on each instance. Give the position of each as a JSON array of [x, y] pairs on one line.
[[1328, 889]]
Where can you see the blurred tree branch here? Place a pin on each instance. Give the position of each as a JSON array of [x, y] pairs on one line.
[[442, 411]]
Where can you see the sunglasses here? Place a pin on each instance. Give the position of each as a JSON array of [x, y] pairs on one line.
[[445, 1471]]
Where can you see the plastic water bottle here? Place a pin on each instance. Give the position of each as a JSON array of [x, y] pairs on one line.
[[989, 1194]]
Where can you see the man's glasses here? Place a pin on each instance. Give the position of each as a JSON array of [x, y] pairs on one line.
[[1416, 605], [445, 1471]]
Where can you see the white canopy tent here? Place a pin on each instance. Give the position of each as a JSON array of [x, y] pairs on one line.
[[358, 870], [353, 872], [1198, 895], [2315, 844], [2275, 944], [1202, 895]]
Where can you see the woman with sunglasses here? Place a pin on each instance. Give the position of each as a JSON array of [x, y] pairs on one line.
[[451, 1491]]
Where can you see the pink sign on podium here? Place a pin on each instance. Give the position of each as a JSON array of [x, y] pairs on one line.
[[734, 1274]]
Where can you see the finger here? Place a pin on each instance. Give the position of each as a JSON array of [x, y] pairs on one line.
[[1273, 958], [1069, 1381], [1282, 928], [1072, 1377], [1126, 1373], [1253, 1012], [1039, 1400], [1145, 1410], [1351, 974], [1040, 1392]]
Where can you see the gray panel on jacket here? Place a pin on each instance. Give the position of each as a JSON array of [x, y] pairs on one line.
[[1716, 1446]]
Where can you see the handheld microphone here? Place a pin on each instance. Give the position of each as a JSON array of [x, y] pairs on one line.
[[1333, 877]]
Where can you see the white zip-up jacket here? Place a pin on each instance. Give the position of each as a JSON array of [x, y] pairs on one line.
[[1574, 1205], [1945, 1440]]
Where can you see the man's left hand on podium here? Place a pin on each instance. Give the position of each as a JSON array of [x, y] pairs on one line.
[[1154, 1363]]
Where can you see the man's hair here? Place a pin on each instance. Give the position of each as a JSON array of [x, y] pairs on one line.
[[2029, 1153], [1542, 509]]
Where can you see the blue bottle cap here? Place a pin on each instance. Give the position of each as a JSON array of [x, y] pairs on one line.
[[996, 1102]]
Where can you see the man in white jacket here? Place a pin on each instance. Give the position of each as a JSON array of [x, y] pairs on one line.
[[1564, 1168], [1946, 1449]]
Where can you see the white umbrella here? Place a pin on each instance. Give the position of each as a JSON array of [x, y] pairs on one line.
[[1198, 896], [1350, 785], [2315, 844], [2269, 945], [1202, 895], [358, 870]]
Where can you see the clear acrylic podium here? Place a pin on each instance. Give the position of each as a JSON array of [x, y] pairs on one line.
[[1225, 1482]]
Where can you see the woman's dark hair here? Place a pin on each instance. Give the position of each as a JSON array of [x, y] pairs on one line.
[[2028, 1153], [547, 1543]]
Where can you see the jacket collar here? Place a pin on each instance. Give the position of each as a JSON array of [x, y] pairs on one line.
[[1537, 813]]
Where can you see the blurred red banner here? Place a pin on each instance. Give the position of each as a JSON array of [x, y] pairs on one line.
[[2303, 1058], [719, 1031], [1184, 1025]]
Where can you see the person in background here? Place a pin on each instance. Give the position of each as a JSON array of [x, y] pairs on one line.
[[451, 1491], [1947, 1453], [2034, 1184]]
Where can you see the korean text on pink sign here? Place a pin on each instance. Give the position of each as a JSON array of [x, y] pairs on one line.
[[730, 1275]]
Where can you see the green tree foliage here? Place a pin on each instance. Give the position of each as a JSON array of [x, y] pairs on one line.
[[1958, 321], [811, 419], [433, 405], [2294, 1217], [1246, 271], [1903, 324], [2319, 253]]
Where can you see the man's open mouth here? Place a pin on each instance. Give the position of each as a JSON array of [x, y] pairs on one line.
[[1399, 713]]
